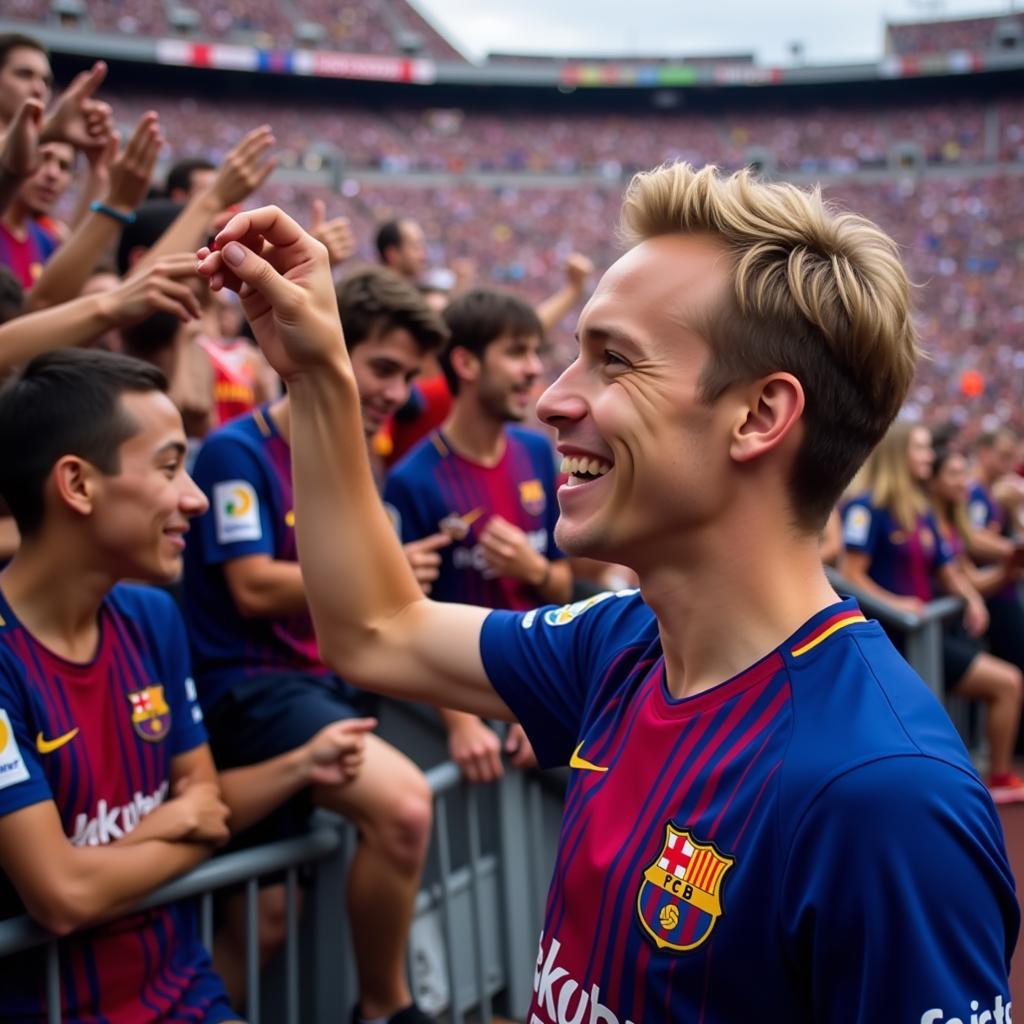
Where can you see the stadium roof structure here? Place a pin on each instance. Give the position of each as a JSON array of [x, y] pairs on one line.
[[565, 74]]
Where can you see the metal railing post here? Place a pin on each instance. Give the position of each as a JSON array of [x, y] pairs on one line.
[[520, 935]]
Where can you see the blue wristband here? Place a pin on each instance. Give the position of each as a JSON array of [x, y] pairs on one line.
[[124, 218]]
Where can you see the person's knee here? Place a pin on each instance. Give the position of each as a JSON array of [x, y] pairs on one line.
[[400, 824], [1013, 683], [273, 921]]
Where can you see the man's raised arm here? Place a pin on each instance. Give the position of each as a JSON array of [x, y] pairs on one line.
[[373, 623]]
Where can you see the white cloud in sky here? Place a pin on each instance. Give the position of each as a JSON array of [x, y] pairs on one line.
[[831, 31]]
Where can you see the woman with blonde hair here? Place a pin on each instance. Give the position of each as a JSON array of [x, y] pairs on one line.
[[895, 550]]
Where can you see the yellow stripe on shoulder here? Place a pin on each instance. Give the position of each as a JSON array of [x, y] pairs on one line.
[[264, 427], [853, 618]]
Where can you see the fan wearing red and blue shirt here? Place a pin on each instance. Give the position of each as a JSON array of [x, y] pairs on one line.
[[769, 817], [491, 486], [262, 683], [895, 550], [25, 242], [994, 494], [107, 789], [107, 786]]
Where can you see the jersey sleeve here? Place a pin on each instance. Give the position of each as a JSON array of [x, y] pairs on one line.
[[943, 552], [22, 780], [547, 663], [239, 520], [898, 899], [979, 513], [861, 527]]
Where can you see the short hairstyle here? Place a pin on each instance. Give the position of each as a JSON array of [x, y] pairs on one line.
[[376, 300], [18, 40], [389, 236], [180, 175], [152, 219], [815, 292], [990, 438], [12, 295], [65, 403], [480, 316]]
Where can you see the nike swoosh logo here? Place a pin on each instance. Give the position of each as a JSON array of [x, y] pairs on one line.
[[49, 746], [578, 762]]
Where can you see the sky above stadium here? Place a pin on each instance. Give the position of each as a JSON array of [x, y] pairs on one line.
[[831, 31]]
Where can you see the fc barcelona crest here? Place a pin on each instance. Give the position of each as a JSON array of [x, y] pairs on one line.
[[532, 497], [679, 900], [151, 717]]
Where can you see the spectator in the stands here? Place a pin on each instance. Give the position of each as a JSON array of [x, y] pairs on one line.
[[402, 248], [895, 551], [189, 176], [24, 74]]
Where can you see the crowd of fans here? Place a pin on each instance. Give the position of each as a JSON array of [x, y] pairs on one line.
[[395, 26], [830, 140], [115, 269], [350, 26], [975, 34]]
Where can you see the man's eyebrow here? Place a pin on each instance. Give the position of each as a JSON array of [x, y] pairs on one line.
[[177, 447], [608, 333]]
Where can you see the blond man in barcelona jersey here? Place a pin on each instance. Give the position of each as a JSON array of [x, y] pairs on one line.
[[769, 817]]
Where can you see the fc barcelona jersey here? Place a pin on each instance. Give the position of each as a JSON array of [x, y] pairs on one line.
[[902, 561], [98, 740], [434, 486], [805, 842], [244, 468]]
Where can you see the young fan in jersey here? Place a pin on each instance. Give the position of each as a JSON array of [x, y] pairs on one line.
[[766, 805], [990, 506], [106, 789], [107, 786], [895, 549], [491, 485], [261, 680]]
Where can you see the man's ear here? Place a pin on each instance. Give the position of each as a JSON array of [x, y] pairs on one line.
[[769, 413], [465, 364], [74, 482]]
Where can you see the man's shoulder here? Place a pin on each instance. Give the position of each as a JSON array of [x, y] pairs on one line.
[[856, 702], [238, 446], [147, 606], [610, 619], [242, 430], [417, 464], [533, 440]]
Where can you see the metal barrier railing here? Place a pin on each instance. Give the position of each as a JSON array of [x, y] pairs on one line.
[[494, 883]]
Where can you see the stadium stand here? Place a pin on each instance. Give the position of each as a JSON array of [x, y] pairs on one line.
[[1000, 32], [351, 26]]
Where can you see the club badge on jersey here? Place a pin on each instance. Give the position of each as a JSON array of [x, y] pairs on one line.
[[151, 716], [532, 497], [679, 899]]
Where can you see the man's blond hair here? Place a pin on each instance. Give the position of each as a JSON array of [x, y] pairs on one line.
[[816, 292]]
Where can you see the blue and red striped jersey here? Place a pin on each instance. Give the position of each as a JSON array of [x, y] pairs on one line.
[[902, 561], [25, 258], [985, 513], [244, 468], [98, 740], [434, 484], [806, 841]]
